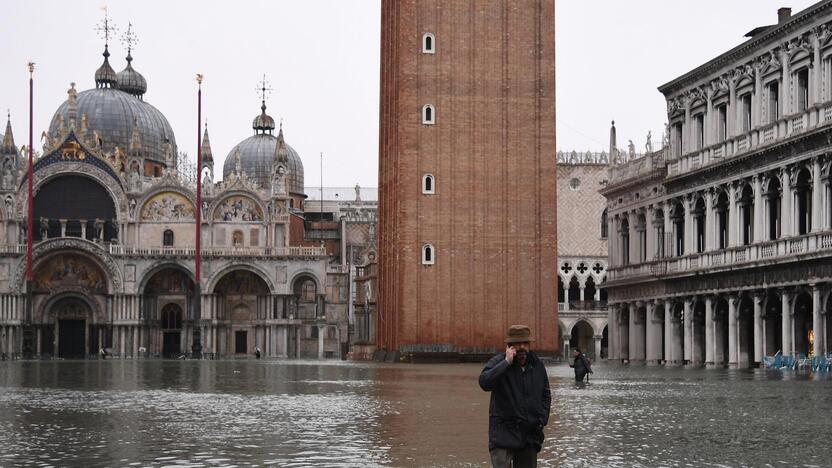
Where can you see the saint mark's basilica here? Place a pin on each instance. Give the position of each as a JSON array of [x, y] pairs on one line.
[[114, 240]]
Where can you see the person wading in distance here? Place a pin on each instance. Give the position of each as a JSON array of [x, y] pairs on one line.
[[520, 401], [581, 366]]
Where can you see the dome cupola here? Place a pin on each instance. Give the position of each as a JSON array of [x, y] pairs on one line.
[[130, 81], [105, 76]]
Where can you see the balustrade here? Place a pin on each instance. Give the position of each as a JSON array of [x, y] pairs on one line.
[[781, 248]]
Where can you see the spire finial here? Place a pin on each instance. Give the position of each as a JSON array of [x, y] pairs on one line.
[[264, 89], [129, 40], [106, 28]]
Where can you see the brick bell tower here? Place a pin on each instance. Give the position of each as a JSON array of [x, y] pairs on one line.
[[467, 183]]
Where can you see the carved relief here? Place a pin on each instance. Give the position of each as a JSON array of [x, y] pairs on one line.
[[238, 208], [168, 206]]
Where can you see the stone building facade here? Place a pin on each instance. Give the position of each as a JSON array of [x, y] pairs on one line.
[[348, 216], [467, 210], [582, 252], [721, 241], [114, 235]]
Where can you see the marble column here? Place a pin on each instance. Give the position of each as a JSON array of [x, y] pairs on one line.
[[758, 328], [758, 208], [668, 332], [733, 352], [598, 339], [710, 225], [817, 192], [787, 323], [786, 214], [709, 331], [632, 335], [653, 338], [650, 233], [624, 338], [321, 329], [612, 332], [688, 330], [690, 229]]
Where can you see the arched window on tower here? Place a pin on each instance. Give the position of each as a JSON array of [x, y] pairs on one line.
[[428, 43], [167, 238], [428, 255], [604, 226], [428, 184], [428, 114]]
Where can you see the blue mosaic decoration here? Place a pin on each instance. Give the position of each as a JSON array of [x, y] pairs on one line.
[[72, 150]]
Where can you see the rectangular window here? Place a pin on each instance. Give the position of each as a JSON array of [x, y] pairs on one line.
[[802, 90], [745, 102], [678, 141], [722, 122], [699, 119], [255, 237], [773, 102]]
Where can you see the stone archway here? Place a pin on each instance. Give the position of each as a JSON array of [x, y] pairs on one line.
[[803, 325], [582, 337], [242, 301], [745, 332], [772, 325], [69, 334]]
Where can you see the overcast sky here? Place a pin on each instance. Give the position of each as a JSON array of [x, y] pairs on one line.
[[322, 59], [613, 54]]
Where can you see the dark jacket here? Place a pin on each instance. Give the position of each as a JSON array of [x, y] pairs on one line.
[[520, 402], [582, 367]]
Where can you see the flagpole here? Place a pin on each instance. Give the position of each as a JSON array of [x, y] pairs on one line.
[[29, 221], [197, 345]]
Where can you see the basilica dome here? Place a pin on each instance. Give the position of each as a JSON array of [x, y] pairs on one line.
[[112, 111], [257, 154]]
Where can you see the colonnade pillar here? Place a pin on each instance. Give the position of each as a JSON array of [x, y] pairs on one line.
[[688, 330], [612, 332], [787, 323], [818, 326], [709, 331], [733, 351], [758, 328]]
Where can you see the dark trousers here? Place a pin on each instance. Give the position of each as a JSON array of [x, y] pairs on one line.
[[507, 458]]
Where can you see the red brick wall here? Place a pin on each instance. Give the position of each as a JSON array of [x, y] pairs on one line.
[[492, 150]]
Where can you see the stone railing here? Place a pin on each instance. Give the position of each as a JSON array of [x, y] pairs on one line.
[[338, 269], [759, 137], [130, 251], [730, 257]]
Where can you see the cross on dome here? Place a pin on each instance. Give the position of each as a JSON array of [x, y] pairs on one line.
[[129, 39], [106, 27]]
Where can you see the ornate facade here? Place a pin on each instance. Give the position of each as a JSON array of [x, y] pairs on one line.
[[722, 239], [582, 253], [114, 238]]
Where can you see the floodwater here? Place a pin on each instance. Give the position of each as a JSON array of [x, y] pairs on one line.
[[304, 413]]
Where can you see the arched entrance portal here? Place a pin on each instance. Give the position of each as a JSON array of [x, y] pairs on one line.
[[243, 298], [582, 337], [167, 305], [71, 316], [171, 330]]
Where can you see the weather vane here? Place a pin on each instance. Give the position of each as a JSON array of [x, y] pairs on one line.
[[106, 27], [264, 88], [129, 38]]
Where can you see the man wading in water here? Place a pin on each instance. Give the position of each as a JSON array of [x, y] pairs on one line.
[[520, 402]]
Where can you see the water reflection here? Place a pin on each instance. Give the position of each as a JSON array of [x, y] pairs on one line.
[[348, 414]]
